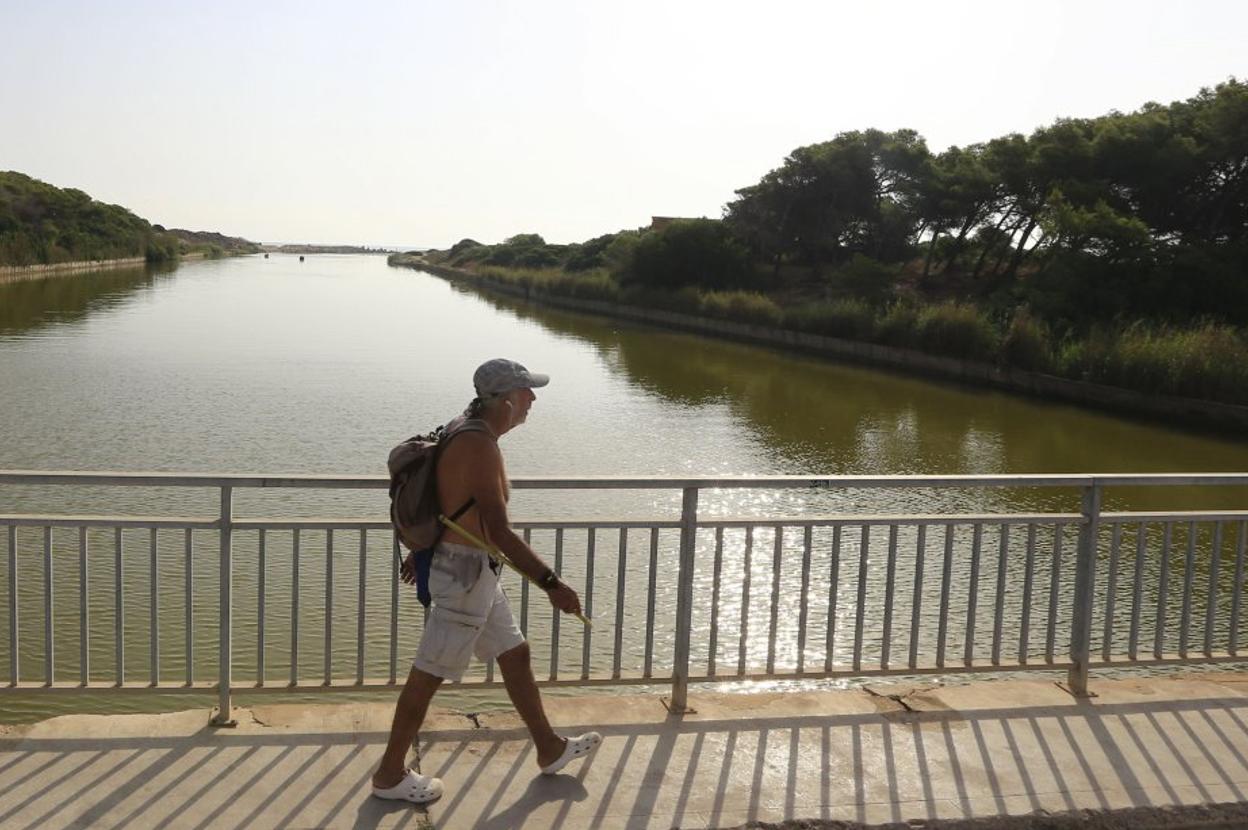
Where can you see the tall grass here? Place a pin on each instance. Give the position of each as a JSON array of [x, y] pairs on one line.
[[1027, 343], [849, 318], [1208, 361], [528, 277], [741, 307], [586, 285]]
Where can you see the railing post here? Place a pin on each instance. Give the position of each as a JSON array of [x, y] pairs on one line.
[[1085, 583], [224, 715], [684, 599]]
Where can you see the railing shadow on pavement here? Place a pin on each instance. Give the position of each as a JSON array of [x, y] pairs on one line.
[[899, 765], [870, 766]]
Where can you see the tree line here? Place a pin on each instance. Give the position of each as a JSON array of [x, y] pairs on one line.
[[1140, 215], [41, 224]]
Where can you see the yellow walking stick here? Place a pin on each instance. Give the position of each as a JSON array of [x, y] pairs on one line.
[[501, 557]]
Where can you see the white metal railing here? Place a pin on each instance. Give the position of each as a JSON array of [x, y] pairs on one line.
[[849, 595]]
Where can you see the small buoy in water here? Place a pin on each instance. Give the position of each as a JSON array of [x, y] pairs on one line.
[[301, 257], [266, 256]]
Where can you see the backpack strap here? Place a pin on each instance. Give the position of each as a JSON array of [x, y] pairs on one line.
[[461, 511]]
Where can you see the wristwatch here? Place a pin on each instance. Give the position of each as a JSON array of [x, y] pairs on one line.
[[549, 580]]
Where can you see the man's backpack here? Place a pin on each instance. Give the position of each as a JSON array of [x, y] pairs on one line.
[[414, 485]]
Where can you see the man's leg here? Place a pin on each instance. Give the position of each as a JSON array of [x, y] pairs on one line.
[[409, 713], [522, 689]]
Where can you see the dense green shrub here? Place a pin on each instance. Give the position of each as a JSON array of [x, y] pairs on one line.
[[524, 250], [163, 247], [588, 255], [618, 254], [865, 279], [42, 224], [1026, 344], [687, 300], [897, 326], [469, 258], [464, 245], [465, 251], [697, 252], [957, 330], [542, 257], [500, 256]]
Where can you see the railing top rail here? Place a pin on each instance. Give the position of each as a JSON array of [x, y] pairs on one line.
[[581, 522], [158, 479], [154, 479]]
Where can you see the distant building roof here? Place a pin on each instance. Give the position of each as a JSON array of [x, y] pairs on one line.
[[658, 223]]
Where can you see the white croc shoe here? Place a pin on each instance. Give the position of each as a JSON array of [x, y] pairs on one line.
[[577, 747], [416, 788]]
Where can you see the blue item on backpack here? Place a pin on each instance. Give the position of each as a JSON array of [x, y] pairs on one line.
[[422, 561]]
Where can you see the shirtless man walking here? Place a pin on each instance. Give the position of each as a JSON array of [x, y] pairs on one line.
[[470, 614]]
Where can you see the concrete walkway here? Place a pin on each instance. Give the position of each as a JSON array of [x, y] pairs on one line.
[[896, 754]]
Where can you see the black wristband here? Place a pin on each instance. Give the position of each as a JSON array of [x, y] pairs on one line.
[[549, 580]]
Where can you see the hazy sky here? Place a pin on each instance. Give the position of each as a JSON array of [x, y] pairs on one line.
[[419, 123]]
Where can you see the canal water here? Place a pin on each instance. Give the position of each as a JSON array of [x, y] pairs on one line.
[[253, 365]]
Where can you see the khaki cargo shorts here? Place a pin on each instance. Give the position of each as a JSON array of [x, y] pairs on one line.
[[470, 614]]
